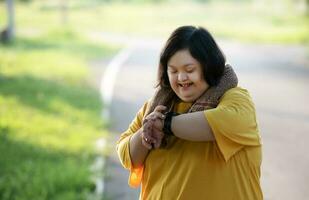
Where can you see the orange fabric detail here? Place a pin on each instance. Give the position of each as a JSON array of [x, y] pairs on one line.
[[136, 176]]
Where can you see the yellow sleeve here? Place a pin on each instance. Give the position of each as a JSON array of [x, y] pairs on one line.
[[233, 122], [123, 148]]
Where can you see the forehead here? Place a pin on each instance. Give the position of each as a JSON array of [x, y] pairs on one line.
[[182, 58]]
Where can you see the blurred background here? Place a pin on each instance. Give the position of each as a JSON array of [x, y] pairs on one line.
[[73, 74]]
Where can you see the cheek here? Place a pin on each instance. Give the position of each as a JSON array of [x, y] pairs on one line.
[[195, 77], [172, 79]]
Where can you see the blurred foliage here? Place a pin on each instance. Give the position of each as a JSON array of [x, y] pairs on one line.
[[264, 21], [283, 21], [50, 117], [23, 1], [165, 1]]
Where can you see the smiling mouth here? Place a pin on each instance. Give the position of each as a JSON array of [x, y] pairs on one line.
[[185, 85]]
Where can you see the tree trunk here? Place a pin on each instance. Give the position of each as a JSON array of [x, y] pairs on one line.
[[8, 33], [10, 18]]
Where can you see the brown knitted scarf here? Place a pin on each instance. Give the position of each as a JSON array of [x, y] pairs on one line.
[[210, 99]]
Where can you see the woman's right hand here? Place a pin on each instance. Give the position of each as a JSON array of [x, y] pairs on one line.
[[152, 137]]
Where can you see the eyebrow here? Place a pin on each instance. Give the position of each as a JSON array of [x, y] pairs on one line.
[[186, 65]]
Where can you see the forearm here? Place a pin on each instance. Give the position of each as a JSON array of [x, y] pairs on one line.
[[192, 127], [138, 152]]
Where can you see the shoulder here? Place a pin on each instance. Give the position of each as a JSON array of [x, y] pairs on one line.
[[237, 94], [237, 99]]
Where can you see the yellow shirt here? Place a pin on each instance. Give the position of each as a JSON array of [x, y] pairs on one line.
[[226, 169]]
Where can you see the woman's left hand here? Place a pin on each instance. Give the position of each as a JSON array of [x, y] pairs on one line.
[[157, 127], [154, 135]]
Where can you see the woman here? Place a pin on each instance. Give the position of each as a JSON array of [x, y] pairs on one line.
[[197, 138]]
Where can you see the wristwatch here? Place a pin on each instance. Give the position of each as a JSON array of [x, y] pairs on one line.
[[167, 129]]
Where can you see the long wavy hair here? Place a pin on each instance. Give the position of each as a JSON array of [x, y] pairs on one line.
[[202, 47]]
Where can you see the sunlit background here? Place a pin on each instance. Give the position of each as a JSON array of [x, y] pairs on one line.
[[52, 59]]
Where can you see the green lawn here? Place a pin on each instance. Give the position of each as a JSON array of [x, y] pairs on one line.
[[244, 21], [50, 116], [283, 23], [232, 21]]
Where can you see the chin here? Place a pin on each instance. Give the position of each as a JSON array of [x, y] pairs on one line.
[[187, 99]]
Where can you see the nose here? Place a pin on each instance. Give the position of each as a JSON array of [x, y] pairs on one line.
[[182, 77]]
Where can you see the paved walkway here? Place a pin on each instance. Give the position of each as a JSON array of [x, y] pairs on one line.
[[277, 77]]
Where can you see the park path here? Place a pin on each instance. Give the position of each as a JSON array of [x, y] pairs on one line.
[[277, 77]]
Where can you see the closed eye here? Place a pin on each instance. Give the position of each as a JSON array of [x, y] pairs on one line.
[[172, 71], [190, 69]]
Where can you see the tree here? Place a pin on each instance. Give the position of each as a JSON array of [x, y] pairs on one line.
[[9, 32]]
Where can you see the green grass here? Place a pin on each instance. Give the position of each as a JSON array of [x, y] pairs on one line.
[[232, 21], [239, 21], [32, 172], [50, 116], [268, 23]]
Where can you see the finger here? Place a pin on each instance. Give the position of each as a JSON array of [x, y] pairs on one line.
[[151, 117], [147, 134], [148, 138], [158, 125], [158, 138], [158, 135], [158, 144], [147, 126], [156, 115], [160, 108], [159, 115], [148, 120], [145, 144]]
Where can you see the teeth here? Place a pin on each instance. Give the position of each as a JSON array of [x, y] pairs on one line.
[[185, 85]]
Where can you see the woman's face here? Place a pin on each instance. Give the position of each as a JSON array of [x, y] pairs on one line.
[[186, 76]]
